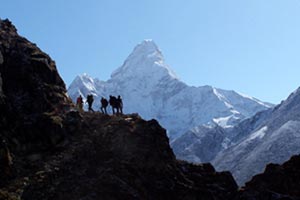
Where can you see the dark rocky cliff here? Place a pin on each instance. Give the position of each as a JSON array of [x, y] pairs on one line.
[[48, 150], [31, 91], [277, 182], [125, 158]]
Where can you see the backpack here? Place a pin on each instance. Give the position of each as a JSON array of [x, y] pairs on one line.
[[90, 98], [79, 100]]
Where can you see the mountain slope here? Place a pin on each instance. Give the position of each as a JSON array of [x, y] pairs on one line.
[[148, 86], [200, 144], [269, 136]]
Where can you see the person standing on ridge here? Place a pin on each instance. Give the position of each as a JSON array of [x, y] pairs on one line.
[[120, 104], [90, 100], [79, 103], [104, 104], [113, 103]]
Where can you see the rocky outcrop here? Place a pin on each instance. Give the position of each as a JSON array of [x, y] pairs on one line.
[[125, 158], [33, 90], [277, 182]]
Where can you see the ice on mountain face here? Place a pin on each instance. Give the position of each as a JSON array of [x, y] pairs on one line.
[[276, 147], [258, 134], [223, 121], [207, 142]]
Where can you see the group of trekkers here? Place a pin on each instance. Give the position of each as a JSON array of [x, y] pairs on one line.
[[116, 104]]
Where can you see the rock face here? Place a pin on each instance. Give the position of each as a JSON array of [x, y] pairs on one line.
[[277, 182], [30, 89], [201, 144]]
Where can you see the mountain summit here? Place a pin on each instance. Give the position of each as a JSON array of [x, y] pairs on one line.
[[150, 87], [146, 61]]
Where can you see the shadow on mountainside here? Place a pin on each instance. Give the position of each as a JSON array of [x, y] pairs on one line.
[[113, 157]]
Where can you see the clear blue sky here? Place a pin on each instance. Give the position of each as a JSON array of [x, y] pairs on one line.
[[251, 46]]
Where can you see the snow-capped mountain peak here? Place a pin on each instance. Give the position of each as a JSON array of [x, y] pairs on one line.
[[145, 59], [148, 48], [88, 85], [149, 87]]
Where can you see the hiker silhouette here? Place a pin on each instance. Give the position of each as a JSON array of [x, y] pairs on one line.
[[90, 100], [116, 104], [104, 104], [79, 103], [120, 104]]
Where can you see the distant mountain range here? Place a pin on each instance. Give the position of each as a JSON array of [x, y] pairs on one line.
[[150, 87], [272, 135], [269, 136]]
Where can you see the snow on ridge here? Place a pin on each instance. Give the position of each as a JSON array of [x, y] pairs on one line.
[[223, 121], [146, 47], [222, 98], [258, 134], [88, 82], [254, 99]]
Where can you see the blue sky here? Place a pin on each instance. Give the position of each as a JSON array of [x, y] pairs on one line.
[[250, 46]]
